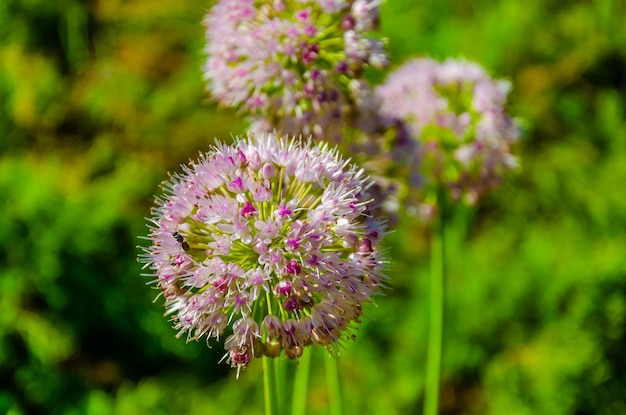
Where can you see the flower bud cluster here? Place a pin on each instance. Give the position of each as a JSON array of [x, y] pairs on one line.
[[457, 112], [268, 242], [293, 66]]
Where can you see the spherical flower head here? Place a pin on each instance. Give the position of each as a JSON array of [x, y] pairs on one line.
[[289, 63], [269, 242], [458, 113]]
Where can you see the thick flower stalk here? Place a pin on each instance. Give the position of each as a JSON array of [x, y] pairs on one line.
[[457, 112], [268, 242], [294, 66]]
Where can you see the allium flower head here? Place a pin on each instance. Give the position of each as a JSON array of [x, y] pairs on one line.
[[268, 242], [294, 65], [458, 113]]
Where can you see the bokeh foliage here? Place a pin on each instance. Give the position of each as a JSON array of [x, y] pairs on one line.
[[100, 99]]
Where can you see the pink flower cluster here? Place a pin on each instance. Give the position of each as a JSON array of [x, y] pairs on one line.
[[269, 242], [293, 66], [458, 113], [273, 243]]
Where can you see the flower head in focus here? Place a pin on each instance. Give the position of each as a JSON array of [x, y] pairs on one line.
[[295, 66], [268, 242], [457, 112]]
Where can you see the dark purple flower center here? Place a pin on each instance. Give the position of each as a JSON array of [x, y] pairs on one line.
[[291, 304], [248, 209], [293, 267], [310, 53], [240, 356]]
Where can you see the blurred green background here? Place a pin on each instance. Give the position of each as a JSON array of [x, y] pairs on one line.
[[100, 98]]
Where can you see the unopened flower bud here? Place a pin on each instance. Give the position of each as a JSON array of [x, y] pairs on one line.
[[269, 170]]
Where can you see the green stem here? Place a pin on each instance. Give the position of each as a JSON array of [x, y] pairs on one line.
[[301, 384], [332, 383], [270, 386], [282, 380], [435, 327]]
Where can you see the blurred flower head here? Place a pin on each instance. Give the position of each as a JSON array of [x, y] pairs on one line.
[[295, 66], [457, 112], [269, 242]]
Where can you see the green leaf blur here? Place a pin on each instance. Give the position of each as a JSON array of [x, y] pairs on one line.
[[100, 99]]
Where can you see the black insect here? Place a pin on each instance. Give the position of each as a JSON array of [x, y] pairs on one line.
[[179, 238]]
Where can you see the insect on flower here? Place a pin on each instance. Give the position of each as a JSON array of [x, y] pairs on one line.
[[181, 240]]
